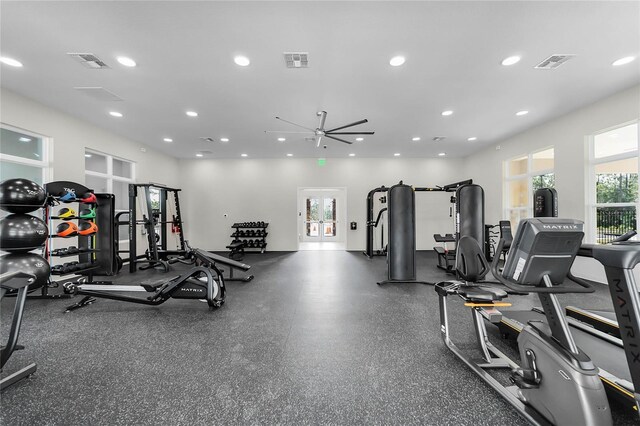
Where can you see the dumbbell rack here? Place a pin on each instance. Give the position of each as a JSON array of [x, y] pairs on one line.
[[253, 234]]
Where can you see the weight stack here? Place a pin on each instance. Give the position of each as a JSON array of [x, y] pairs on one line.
[[402, 233]]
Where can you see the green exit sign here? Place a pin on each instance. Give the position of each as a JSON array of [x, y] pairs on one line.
[[322, 161]]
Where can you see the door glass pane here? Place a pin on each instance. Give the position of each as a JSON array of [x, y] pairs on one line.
[[517, 166], [313, 209], [617, 181], [329, 229], [542, 160], [95, 163], [611, 222], [329, 209], [98, 184], [21, 145], [313, 229], [617, 141], [122, 168], [12, 170], [518, 193]]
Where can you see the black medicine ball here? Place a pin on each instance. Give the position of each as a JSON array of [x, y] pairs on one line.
[[22, 232], [21, 196], [30, 263]]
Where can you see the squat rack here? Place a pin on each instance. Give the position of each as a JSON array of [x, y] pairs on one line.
[[157, 252]]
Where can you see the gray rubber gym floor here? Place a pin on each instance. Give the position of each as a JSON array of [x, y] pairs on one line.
[[311, 340]]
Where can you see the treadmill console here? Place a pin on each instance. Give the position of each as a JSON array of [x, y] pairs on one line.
[[543, 246]]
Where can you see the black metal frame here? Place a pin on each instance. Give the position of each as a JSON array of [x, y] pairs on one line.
[[14, 332], [156, 254]]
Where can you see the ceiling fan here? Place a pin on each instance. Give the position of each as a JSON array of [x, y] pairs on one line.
[[320, 131]]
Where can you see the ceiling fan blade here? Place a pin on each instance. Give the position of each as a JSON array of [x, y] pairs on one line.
[[348, 125], [318, 141], [287, 132], [349, 133], [297, 125], [323, 117], [338, 139]]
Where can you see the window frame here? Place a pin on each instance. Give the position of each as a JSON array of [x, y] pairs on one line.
[[528, 175], [109, 176], [592, 162], [44, 164]]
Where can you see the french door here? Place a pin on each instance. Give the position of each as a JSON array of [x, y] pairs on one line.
[[320, 217]]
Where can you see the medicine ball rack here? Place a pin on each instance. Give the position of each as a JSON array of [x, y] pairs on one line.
[[248, 235], [95, 252]]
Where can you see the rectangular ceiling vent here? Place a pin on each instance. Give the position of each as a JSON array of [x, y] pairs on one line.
[[296, 59], [554, 61], [310, 139], [438, 138], [89, 60], [99, 93], [207, 139]]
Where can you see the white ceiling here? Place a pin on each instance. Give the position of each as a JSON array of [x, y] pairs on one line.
[[185, 51]]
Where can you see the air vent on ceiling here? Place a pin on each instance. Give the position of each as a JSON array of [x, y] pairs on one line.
[[310, 139], [438, 138], [99, 93], [206, 139], [89, 60], [206, 152], [554, 61], [296, 59]]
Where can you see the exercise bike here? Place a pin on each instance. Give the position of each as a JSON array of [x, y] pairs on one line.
[[556, 383], [19, 282], [204, 281]]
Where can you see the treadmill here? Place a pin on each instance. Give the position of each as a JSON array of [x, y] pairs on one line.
[[615, 354]]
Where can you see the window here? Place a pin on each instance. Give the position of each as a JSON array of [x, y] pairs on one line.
[[522, 176], [613, 195], [108, 174], [23, 155]]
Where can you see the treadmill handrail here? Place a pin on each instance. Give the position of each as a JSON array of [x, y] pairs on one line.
[[585, 287]]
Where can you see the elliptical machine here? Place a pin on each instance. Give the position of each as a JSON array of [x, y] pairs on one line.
[[556, 383]]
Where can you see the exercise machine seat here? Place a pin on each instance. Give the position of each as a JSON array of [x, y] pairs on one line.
[[470, 262], [481, 293]]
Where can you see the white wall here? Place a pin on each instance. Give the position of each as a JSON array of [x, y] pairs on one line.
[[71, 136], [568, 134], [253, 190]]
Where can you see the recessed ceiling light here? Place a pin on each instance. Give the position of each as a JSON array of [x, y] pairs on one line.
[[352, 155], [397, 154], [199, 155], [281, 139], [396, 61], [115, 114], [10, 61], [522, 112], [87, 155], [359, 139], [192, 113], [623, 61], [167, 140], [244, 155], [442, 154], [127, 62], [243, 61], [289, 155], [23, 139], [224, 139], [447, 112], [416, 139], [471, 139], [510, 60]]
